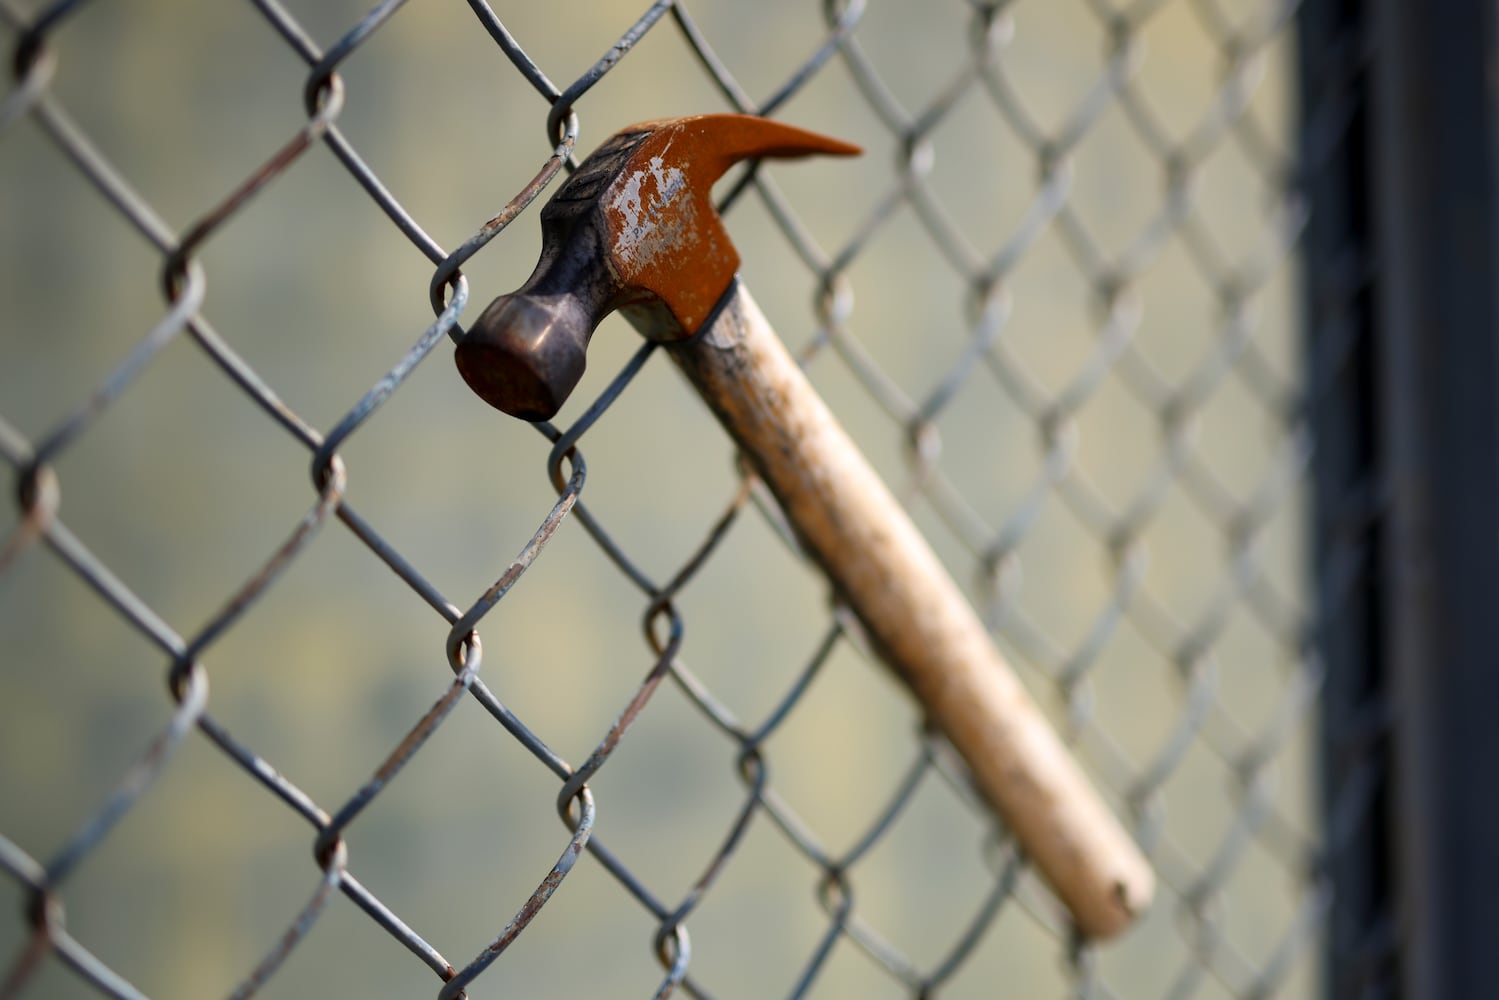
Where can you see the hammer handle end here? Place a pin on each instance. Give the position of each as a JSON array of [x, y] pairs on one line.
[[918, 618]]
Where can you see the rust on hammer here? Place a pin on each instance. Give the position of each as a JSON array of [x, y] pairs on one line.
[[634, 228]]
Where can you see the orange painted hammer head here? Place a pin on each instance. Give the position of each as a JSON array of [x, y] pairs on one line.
[[635, 229]]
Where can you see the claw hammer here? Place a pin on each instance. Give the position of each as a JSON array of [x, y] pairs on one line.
[[634, 229]]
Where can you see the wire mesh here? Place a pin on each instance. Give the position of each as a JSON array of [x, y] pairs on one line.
[[1055, 301]]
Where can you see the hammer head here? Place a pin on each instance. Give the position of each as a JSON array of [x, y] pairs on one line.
[[634, 228]]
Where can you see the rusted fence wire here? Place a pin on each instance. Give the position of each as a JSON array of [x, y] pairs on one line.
[[1056, 301]]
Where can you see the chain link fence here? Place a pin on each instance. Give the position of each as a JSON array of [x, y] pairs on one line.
[[565, 711]]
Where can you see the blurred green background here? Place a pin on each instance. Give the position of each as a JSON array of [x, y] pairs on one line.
[[184, 489]]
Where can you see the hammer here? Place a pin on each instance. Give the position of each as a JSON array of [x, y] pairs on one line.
[[634, 229]]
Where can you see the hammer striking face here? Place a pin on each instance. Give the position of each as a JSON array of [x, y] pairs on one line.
[[634, 230]]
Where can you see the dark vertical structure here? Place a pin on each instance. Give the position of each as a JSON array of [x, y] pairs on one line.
[[1437, 236], [1401, 116], [1348, 555]]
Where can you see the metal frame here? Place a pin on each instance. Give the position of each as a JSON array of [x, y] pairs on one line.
[[1401, 120]]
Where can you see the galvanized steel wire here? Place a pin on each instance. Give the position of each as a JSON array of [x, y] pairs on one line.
[[1203, 951]]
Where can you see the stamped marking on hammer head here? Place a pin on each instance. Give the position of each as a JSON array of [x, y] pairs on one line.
[[634, 228]]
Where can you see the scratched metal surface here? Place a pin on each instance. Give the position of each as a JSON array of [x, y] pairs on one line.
[[322, 678]]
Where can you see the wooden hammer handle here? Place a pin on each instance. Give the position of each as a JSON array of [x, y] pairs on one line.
[[882, 568]]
